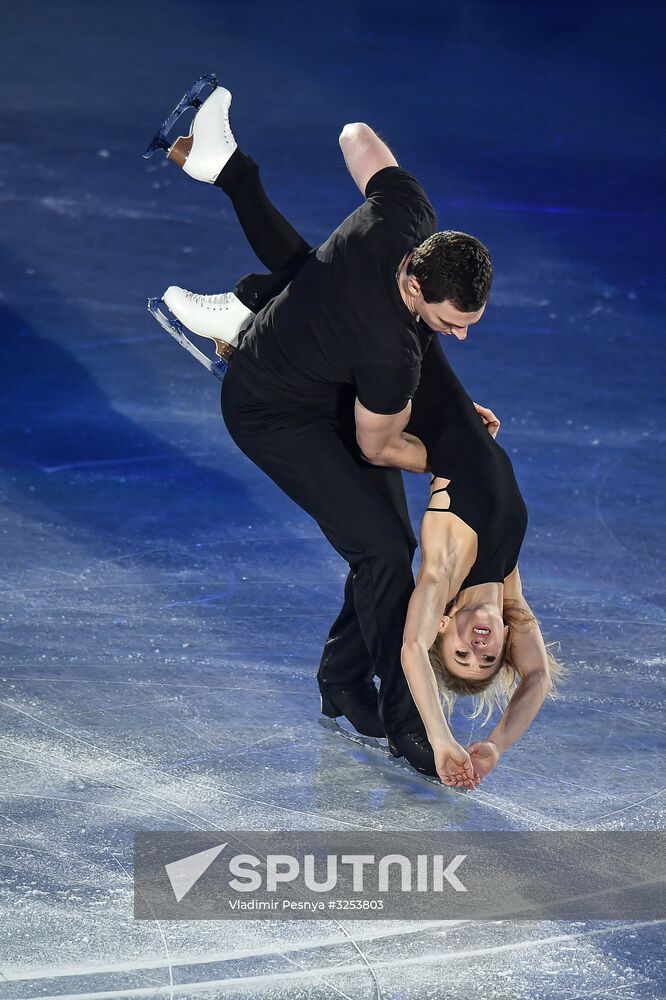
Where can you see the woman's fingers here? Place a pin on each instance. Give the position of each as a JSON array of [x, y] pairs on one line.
[[457, 769], [459, 781], [490, 421]]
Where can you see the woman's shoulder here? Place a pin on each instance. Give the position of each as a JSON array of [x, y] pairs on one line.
[[513, 586], [514, 599]]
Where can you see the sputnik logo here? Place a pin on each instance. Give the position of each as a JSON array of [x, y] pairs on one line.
[[247, 871], [185, 873]]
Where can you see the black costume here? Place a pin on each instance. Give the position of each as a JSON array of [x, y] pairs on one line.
[[338, 329], [483, 488]]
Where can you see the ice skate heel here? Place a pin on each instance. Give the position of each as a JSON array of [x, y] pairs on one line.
[[180, 150], [327, 707], [190, 99], [358, 703]]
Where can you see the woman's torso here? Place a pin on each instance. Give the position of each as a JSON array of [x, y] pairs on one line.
[[482, 485]]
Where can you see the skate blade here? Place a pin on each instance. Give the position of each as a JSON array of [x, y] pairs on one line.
[[364, 741], [190, 99], [370, 743], [160, 310]]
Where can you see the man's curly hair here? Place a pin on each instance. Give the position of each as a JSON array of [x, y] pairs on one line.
[[453, 266]]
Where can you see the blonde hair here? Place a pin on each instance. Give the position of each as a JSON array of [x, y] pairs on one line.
[[494, 691]]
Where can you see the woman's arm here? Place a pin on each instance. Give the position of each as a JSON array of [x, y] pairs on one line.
[[437, 582], [426, 607], [529, 657], [453, 763], [528, 653]]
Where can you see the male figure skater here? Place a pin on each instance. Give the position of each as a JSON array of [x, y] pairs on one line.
[[318, 392]]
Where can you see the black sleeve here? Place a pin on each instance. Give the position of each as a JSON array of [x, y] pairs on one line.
[[384, 388], [393, 190]]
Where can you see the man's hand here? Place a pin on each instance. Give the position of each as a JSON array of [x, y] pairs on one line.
[[454, 766], [489, 419], [484, 755]]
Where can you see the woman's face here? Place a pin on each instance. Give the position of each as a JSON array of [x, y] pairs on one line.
[[472, 642]]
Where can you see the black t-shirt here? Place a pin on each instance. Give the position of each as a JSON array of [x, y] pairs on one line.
[[342, 320]]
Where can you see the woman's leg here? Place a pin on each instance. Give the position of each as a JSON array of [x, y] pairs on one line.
[[274, 240]]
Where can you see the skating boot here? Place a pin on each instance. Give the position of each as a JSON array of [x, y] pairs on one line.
[[357, 702], [210, 142], [414, 746], [219, 317]]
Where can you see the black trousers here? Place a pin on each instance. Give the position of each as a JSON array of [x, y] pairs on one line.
[[312, 455]]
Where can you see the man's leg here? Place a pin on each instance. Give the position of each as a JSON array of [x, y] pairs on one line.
[[346, 658], [343, 658], [359, 521]]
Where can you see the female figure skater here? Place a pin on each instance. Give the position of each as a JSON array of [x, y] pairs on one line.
[[469, 629]]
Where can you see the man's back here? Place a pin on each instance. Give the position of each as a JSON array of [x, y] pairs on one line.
[[342, 319]]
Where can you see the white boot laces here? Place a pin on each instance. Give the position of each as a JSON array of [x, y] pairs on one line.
[[223, 299]]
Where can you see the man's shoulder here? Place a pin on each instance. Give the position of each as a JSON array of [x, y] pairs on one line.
[[395, 185], [395, 216]]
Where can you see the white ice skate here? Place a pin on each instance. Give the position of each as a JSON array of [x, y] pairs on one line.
[[210, 142], [220, 318]]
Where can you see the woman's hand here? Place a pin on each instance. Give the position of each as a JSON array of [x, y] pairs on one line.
[[485, 755], [454, 765], [490, 420]]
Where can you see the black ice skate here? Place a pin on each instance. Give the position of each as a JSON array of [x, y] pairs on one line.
[[357, 702], [189, 100], [415, 747], [173, 326]]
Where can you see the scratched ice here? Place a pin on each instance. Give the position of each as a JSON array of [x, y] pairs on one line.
[[163, 606]]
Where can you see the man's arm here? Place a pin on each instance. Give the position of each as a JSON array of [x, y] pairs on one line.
[[364, 153], [382, 439]]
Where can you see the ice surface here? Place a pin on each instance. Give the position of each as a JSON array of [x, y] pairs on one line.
[[163, 606]]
